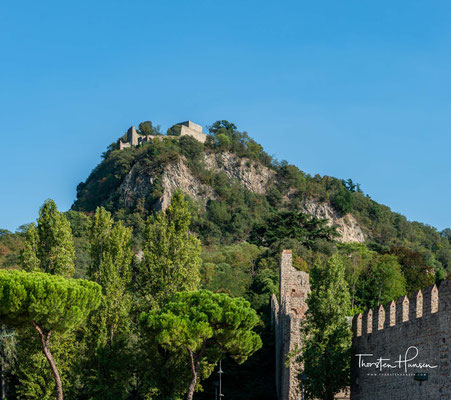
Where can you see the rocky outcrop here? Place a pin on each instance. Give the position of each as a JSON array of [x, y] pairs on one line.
[[178, 176], [347, 226], [250, 174], [140, 183]]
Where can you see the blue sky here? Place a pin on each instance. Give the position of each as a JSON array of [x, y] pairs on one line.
[[353, 88]]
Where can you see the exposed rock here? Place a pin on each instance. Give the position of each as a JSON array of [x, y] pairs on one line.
[[250, 174], [178, 176], [347, 226], [139, 183], [175, 176]]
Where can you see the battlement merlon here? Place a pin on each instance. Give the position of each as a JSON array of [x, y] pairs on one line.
[[419, 305]]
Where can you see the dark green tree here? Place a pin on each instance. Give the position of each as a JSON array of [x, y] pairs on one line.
[[417, 273], [147, 128], [204, 326], [327, 336], [47, 302], [297, 225]]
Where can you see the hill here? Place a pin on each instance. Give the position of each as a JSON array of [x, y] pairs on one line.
[[234, 185]]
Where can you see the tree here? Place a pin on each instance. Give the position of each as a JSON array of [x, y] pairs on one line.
[[294, 225], [205, 326], [29, 255], [417, 273], [381, 281], [326, 333], [49, 246], [174, 130], [7, 356], [356, 258], [49, 303], [111, 256], [147, 128], [343, 200], [171, 261]]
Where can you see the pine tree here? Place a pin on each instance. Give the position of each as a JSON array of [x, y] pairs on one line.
[[204, 326], [49, 248], [327, 336], [171, 260], [49, 304]]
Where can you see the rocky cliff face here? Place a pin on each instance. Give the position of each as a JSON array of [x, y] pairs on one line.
[[139, 183], [250, 174], [347, 226]]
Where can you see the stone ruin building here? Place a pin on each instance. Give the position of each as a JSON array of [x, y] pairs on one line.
[[422, 321], [187, 128]]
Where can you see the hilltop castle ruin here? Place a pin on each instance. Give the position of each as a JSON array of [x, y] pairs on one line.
[[186, 128]]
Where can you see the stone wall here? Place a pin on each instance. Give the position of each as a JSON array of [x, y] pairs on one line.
[[287, 316], [394, 333], [189, 128]]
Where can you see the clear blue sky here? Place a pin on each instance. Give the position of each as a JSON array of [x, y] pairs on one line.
[[351, 88]]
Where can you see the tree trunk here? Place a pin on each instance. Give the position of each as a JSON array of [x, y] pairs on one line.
[[195, 364], [3, 378], [45, 341], [192, 386]]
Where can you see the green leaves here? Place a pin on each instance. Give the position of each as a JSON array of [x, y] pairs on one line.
[[49, 246], [326, 332], [53, 302], [208, 325], [294, 225], [171, 254]]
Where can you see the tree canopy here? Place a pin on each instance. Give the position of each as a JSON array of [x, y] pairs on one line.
[[53, 302], [49, 303], [171, 260], [205, 326], [49, 246]]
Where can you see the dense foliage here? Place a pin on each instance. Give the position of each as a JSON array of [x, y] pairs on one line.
[[204, 327], [327, 336], [47, 302]]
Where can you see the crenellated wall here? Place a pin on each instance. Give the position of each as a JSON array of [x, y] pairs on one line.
[[287, 315], [395, 332]]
